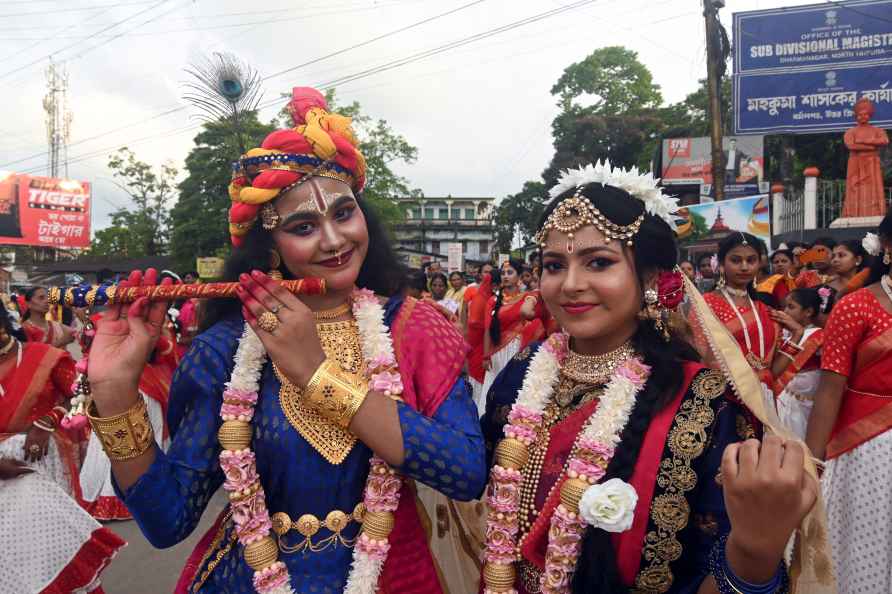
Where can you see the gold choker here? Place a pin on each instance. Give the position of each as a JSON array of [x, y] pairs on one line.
[[595, 369], [332, 314]]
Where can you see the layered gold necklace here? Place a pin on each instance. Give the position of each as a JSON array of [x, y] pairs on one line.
[[595, 369]]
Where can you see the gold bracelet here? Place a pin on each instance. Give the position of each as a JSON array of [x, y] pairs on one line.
[[124, 436], [334, 394]]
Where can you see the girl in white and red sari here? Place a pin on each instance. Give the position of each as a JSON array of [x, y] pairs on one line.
[[851, 428]]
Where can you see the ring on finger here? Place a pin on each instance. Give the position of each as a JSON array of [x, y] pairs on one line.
[[34, 449], [268, 321], [274, 309]]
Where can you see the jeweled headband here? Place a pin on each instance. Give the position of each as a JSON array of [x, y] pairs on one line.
[[577, 212]]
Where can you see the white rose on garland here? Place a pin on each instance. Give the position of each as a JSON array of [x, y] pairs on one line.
[[609, 505]]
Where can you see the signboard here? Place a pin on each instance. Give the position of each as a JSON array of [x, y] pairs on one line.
[[813, 36], [801, 70], [503, 258], [689, 160], [455, 256], [210, 268], [811, 101], [414, 261], [44, 211], [709, 223]]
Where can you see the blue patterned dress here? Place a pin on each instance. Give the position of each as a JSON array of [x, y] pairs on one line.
[[445, 451]]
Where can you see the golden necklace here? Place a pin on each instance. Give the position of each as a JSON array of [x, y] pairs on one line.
[[340, 342], [595, 369], [332, 314]]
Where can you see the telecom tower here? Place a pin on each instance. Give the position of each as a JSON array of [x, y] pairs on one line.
[[58, 118]]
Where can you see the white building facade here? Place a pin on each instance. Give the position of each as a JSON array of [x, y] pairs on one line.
[[431, 224]]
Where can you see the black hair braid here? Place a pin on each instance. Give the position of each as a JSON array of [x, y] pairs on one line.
[[495, 327], [596, 568]]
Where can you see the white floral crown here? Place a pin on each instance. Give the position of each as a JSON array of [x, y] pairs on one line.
[[642, 186]]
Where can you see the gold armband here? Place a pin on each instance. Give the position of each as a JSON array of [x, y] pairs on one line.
[[335, 394], [126, 435]]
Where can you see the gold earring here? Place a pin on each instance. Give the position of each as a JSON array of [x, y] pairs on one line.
[[721, 282], [887, 258], [275, 261]]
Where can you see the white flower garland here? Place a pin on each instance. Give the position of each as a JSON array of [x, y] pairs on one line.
[[383, 484], [642, 186]]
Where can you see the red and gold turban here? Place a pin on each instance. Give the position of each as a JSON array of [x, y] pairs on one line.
[[320, 144]]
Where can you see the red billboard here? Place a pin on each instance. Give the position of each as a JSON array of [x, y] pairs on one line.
[[44, 211]]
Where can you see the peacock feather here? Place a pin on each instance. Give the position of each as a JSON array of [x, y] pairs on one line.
[[223, 87]]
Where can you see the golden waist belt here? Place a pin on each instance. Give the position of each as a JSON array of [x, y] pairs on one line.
[[309, 525]]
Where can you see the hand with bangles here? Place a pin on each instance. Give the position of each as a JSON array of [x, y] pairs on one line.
[[282, 322], [125, 337]]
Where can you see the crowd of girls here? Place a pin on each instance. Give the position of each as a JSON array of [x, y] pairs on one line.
[[593, 423]]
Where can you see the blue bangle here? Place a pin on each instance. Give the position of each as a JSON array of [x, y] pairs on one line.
[[729, 583]]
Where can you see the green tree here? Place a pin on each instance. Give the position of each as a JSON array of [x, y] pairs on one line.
[[143, 229], [519, 214], [199, 221], [613, 78]]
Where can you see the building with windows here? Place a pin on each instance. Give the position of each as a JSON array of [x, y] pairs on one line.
[[431, 224]]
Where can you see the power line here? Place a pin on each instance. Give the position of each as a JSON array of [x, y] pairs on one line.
[[82, 9], [67, 47], [377, 6], [315, 60]]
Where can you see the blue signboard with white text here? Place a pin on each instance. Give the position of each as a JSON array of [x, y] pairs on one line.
[[858, 31], [801, 69], [810, 101]]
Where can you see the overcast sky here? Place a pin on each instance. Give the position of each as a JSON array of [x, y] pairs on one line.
[[480, 114]]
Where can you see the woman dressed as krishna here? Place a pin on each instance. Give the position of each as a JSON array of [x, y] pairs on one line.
[[622, 463], [315, 412]]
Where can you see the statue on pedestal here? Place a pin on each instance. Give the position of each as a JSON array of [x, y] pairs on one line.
[[864, 181]]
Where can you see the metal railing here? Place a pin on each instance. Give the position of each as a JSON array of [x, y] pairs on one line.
[[831, 194], [792, 216]]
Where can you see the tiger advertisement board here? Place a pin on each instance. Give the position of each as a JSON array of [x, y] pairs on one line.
[[44, 211]]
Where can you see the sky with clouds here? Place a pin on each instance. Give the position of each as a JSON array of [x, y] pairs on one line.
[[480, 114]]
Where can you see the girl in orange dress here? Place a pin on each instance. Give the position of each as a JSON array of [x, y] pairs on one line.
[[736, 304], [516, 318], [37, 328], [851, 428]]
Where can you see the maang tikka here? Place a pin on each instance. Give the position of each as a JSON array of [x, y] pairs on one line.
[[577, 212]]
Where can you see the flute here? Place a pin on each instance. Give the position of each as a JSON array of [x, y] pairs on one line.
[[111, 294]]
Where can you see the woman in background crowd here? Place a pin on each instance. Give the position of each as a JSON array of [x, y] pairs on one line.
[[850, 267], [35, 324], [516, 318], [456, 291], [797, 365], [817, 260], [736, 304], [850, 426]]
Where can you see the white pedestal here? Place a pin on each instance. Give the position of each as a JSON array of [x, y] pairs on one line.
[[848, 222]]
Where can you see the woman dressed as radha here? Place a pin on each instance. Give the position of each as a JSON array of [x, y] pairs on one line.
[[623, 464], [317, 413]]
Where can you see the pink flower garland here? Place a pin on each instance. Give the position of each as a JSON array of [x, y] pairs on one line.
[[247, 498]]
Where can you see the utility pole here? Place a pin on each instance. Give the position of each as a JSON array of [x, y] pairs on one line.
[[714, 55]]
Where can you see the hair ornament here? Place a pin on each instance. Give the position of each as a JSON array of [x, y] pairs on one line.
[[577, 212], [824, 293], [871, 244], [642, 186]]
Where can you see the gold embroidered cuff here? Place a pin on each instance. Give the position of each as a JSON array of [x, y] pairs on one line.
[[124, 436], [334, 394]]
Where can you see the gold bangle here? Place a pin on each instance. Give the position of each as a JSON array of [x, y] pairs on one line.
[[334, 394], [124, 436]]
